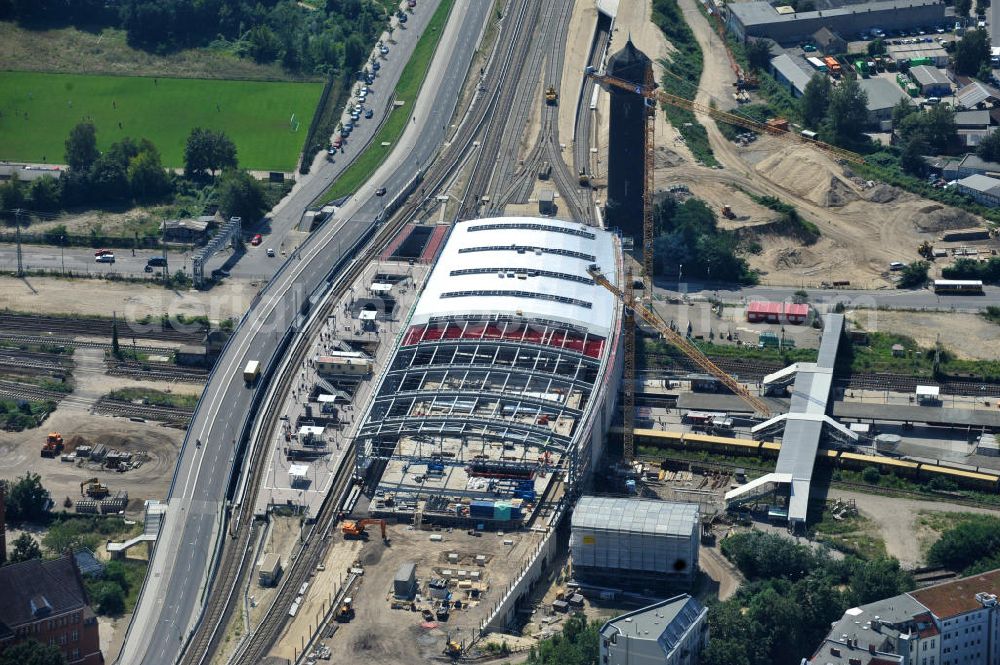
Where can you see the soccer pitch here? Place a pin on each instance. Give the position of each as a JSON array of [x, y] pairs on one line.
[[38, 111]]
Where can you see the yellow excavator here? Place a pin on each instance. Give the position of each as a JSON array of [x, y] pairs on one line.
[[926, 250], [551, 96], [94, 489]]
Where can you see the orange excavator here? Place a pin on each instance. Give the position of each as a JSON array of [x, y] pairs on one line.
[[357, 529]]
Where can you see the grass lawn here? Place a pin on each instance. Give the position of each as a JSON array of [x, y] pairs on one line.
[[154, 397], [40, 109], [410, 81]]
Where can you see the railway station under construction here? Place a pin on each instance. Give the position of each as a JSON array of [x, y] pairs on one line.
[[503, 383]]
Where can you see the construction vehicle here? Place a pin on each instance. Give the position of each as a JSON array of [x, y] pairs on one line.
[[94, 489], [357, 529], [346, 611], [682, 343], [53, 445], [453, 649], [551, 96], [926, 250], [727, 212]]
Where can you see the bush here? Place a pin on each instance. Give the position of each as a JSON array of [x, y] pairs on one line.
[[962, 546], [761, 555], [109, 599], [871, 475]]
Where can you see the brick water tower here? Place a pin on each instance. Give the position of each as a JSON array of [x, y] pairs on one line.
[[626, 144]]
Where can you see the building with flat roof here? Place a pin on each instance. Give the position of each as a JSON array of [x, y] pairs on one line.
[[504, 379], [907, 52], [760, 311], [952, 623], [46, 601], [760, 19], [635, 544], [671, 632]]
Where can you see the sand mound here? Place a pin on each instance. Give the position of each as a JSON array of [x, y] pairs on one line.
[[937, 218], [882, 193], [792, 257], [665, 157], [809, 174]]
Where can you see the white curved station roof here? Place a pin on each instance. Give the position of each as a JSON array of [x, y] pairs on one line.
[[527, 267]]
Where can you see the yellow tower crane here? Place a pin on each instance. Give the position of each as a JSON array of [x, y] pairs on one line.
[[683, 344]]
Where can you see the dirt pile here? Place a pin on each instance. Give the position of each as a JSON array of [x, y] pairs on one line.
[[882, 193], [809, 174], [665, 158], [936, 218]]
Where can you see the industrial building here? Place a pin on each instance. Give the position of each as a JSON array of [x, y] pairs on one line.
[[971, 164], [883, 96], [46, 601], [504, 380], [760, 311], [910, 52], [789, 74], [982, 188], [932, 81], [626, 142], [952, 623], [671, 632], [761, 19], [634, 544]]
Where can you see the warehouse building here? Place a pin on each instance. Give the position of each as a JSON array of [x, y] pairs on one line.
[[789, 74], [634, 544], [982, 188], [671, 632], [760, 311], [907, 52], [883, 95], [932, 81], [761, 19], [505, 378]]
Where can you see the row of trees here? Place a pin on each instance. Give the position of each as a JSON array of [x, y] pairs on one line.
[[792, 596], [839, 114], [688, 236], [131, 171], [327, 40], [987, 271]]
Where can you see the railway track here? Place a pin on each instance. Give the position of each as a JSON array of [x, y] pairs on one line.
[[70, 343], [237, 553], [22, 324], [584, 127], [27, 391], [110, 407], [157, 371]]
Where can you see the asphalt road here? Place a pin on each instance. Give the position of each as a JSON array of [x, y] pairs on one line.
[[888, 298], [173, 596]]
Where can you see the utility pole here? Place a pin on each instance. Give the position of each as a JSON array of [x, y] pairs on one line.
[[17, 233], [62, 253]]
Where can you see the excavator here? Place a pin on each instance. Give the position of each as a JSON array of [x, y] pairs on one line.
[[346, 611], [453, 649], [357, 529], [94, 489], [926, 250], [551, 96]]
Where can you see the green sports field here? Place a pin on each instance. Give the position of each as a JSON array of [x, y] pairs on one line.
[[38, 111]]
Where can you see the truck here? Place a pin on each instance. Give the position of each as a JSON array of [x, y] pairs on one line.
[[832, 65], [156, 261], [251, 372], [53, 445]]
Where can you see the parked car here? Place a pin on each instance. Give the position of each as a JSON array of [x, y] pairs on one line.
[[270, 251], [384, 50], [257, 239], [368, 114], [102, 252], [105, 258], [402, 17], [377, 65], [411, 3]]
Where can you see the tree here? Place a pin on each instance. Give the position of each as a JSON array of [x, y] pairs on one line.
[[761, 555], [81, 147], [815, 100], [109, 179], [241, 195], [972, 52], [758, 53], [12, 194], [27, 500], [147, 179], [911, 158], [876, 47], [962, 8], [264, 44], [355, 52], [109, 599], [903, 108], [989, 147], [847, 114], [966, 543], [32, 653], [45, 194], [933, 130], [208, 150], [914, 275], [25, 549]]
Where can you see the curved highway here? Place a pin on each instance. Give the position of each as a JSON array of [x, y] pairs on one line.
[[179, 572]]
